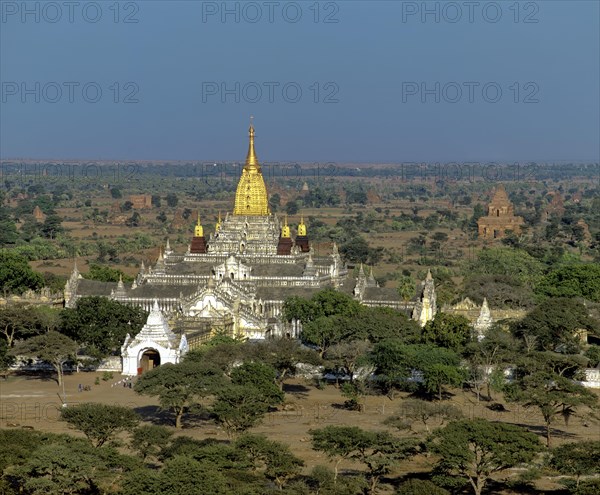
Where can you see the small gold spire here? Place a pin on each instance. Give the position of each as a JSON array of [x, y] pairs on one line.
[[285, 230], [302, 227], [218, 226], [198, 230]]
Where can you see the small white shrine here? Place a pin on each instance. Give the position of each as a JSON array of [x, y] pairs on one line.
[[156, 344]]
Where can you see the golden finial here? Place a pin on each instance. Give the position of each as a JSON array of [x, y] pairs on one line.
[[251, 159], [198, 230], [302, 227], [285, 230], [218, 226]]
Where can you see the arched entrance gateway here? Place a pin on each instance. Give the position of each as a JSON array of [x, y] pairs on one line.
[[149, 360], [156, 344]]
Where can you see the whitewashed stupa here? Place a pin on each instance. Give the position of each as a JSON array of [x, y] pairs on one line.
[[156, 344]]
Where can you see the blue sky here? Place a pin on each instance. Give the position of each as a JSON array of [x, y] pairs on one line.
[[361, 80]]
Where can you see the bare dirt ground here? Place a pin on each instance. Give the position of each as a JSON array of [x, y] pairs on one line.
[[35, 401]]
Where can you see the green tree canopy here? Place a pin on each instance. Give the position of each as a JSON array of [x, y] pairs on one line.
[[178, 386], [446, 330], [580, 280], [476, 449], [101, 324], [554, 324], [52, 347], [16, 276], [99, 422]]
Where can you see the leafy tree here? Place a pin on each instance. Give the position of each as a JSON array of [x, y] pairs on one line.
[[172, 200], [516, 263], [324, 332], [99, 422], [580, 280], [102, 324], [106, 274], [326, 302], [349, 355], [242, 404], [378, 451], [576, 459], [162, 217], [155, 200], [16, 276], [178, 386], [52, 347], [147, 440], [275, 202], [593, 354], [476, 449], [18, 322], [356, 250], [420, 487], [439, 375], [552, 394], [446, 330], [116, 193], [240, 407], [272, 458], [8, 228], [554, 324], [292, 208], [282, 355], [51, 227], [396, 362], [72, 467], [406, 287]]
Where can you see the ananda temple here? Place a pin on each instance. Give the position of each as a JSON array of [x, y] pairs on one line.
[[236, 279]]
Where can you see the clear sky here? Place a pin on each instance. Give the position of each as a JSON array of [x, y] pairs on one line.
[[384, 81]]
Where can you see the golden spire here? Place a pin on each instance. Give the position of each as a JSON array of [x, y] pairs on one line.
[[302, 227], [285, 230], [251, 195], [251, 159], [198, 230], [218, 226]]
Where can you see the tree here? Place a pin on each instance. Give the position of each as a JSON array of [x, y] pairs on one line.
[[554, 395], [576, 459], [580, 280], [116, 193], [18, 322], [326, 302], [516, 263], [178, 386], [99, 422], [106, 274], [147, 440], [16, 276], [476, 449], [274, 459], [172, 200], [396, 362], [282, 355], [51, 226], [291, 208], [242, 404], [420, 487], [52, 347], [415, 410], [555, 323], [155, 200], [378, 451], [71, 467], [102, 324], [446, 330], [406, 287], [240, 407]]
